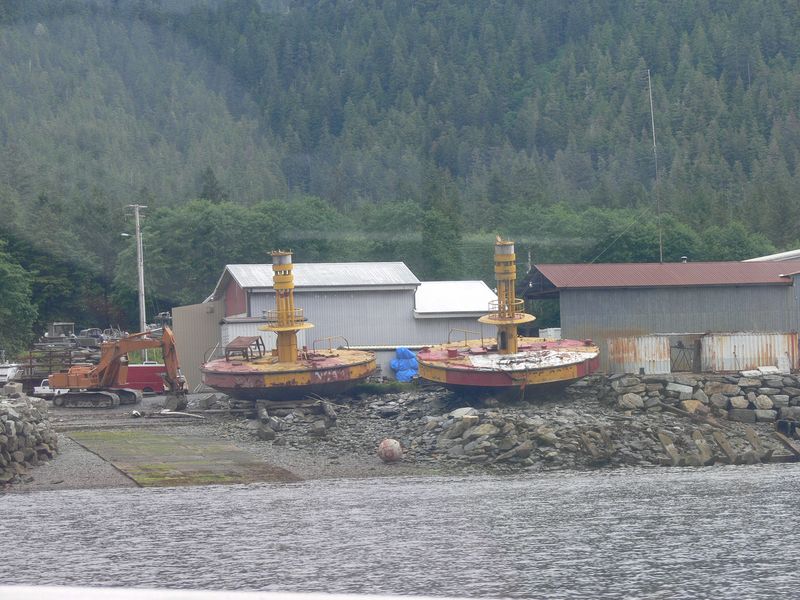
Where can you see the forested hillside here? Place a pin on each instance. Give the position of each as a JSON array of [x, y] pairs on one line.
[[388, 130]]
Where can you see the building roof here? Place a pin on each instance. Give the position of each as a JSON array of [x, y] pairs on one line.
[[780, 256], [463, 298], [321, 275], [624, 275]]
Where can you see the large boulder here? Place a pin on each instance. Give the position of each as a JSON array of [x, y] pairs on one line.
[[766, 416], [780, 400], [719, 387], [763, 402], [546, 436], [769, 391], [790, 412], [719, 401], [742, 415], [630, 402], [693, 406], [749, 382], [463, 412], [739, 403], [680, 388], [460, 426], [484, 429]]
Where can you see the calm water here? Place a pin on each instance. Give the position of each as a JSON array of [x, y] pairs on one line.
[[721, 533]]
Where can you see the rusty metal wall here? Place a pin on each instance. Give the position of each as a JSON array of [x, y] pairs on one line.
[[601, 315], [737, 351], [650, 353], [197, 332]]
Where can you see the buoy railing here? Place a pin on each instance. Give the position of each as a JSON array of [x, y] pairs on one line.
[[330, 342], [283, 318], [466, 332], [504, 310]]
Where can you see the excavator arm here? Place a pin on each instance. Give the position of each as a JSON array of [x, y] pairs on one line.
[[112, 370]]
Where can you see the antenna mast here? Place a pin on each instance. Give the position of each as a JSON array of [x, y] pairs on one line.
[[655, 155]]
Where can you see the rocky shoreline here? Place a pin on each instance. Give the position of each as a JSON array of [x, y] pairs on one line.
[[598, 422], [26, 437]]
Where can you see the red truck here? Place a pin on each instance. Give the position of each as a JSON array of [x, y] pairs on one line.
[[146, 377]]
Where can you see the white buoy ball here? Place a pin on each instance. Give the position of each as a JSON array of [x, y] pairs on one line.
[[390, 450]]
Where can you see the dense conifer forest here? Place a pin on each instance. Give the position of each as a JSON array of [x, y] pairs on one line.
[[394, 130]]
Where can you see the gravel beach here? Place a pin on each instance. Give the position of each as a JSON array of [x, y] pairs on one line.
[[75, 467], [597, 422]]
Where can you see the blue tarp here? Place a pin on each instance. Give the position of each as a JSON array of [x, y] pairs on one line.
[[405, 365]]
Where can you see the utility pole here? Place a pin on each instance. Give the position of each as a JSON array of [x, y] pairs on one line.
[[139, 264], [655, 155]]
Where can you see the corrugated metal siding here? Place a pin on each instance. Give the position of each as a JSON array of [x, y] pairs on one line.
[[551, 333], [229, 331], [737, 351], [631, 354], [438, 331], [364, 318], [370, 318], [601, 315]]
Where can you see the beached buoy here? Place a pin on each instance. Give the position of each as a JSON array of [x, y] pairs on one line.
[[390, 450], [250, 372]]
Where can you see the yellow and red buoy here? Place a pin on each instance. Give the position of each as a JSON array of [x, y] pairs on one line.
[[287, 372], [507, 361]]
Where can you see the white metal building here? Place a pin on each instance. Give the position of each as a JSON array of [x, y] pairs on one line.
[[378, 306]]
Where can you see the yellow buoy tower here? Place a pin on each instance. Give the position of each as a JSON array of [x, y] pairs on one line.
[[507, 361], [506, 312], [285, 319], [248, 372]]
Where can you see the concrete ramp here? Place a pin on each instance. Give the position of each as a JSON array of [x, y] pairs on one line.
[[154, 459]]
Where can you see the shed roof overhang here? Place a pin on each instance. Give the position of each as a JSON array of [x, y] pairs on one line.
[[311, 277], [547, 280]]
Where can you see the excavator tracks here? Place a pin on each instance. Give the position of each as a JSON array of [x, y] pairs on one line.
[[98, 399], [87, 399], [127, 395]]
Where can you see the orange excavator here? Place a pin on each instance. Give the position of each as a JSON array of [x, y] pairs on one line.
[[103, 385]]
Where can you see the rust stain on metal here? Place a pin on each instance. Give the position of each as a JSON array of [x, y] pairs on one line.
[[745, 350]]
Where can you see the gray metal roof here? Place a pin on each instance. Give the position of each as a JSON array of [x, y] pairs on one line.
[[780, 256], [438, 297], [322, 275]]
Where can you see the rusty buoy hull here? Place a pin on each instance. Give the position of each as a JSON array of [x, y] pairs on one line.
[[475, 364], [324, 373]]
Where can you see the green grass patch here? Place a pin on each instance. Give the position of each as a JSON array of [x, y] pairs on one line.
[[154, 459]]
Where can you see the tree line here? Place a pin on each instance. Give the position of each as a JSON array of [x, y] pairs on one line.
[[382, 131]]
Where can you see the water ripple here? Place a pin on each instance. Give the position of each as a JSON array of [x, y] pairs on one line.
[[720, 532]]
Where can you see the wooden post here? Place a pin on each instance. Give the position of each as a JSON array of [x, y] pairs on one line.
[[792, 445]]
